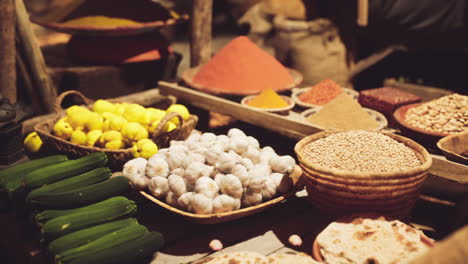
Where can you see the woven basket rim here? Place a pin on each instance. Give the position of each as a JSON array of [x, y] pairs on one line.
[[420, 151]]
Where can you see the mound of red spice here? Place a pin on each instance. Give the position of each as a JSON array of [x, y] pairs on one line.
[[321, 93], [243, 66]]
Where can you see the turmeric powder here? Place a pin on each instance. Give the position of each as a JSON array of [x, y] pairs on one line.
[[100, 21], [267, 99]]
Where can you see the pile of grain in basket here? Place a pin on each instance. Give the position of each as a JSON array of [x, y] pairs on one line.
[[447, 115], [361, 151]]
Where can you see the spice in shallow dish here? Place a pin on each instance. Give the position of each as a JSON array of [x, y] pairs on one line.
[[321, 93], [267, 99], [344, 113], [446, 115], [361, 151], [243, 66], [100, 21]]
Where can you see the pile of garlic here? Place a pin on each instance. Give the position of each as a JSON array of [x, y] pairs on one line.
[[213, 174]]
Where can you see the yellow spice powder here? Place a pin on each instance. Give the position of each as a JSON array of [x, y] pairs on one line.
[[100, 21], [267, 99]]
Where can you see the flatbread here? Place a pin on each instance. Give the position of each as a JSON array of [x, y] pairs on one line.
[[286, 258], [365, 241], [244, 257]]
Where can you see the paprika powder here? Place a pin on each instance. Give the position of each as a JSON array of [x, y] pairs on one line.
[[321, 93], [241, 66]]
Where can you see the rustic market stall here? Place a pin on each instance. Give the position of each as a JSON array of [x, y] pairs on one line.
[[316, 174]]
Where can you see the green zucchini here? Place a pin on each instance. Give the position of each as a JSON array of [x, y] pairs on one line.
[[62, 225], [84, 196], [46, 215], [110, 240], [12, 178], [82, 180], [63, 170], [85, 236], [131, 252]]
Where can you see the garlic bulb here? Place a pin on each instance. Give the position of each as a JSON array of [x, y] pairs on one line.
[[283, 182], [214, 171], [201, 204], [179, 171], [260, 170], [179, 148], [235, 132], [246, 163], [253, 142], [225, 203], [192, 145], [236, 156], [158, 186], [216, 147], [269, 190], [252, 154], [257, 183], [225, 162], [251, 199], [185, 201], [266, 156], [241, 172], [207, 187], [163, 152], [194, 137], [172, 199], [177, 185], [200, 150], [239, 144], [208, 137], [223, 140], [282, 164], [231, 185], [157, 166], [175, 159], [196, 170], [212, 156], [134, 170], [192, 157], [174, 143], [218, 178]]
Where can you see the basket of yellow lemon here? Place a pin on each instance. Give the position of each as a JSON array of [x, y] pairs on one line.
[[122, 130]]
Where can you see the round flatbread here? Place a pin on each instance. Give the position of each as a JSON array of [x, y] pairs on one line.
[[366, 240], [239, 258]]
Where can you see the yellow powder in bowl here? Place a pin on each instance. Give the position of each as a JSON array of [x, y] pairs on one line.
[[268, 99], [343, 112], [100, 21]]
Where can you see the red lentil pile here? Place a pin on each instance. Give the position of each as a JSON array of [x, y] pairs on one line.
[[321, 93]]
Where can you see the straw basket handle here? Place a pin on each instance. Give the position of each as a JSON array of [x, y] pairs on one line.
[[62, 96], [164, 121]]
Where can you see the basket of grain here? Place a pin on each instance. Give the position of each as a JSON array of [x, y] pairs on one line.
[[357, 171], [117, 157]]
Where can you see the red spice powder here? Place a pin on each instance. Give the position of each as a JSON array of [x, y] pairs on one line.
[[243, 66], [321, 93]]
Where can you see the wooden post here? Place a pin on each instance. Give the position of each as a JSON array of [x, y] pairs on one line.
[[200, 45], [33, 56], [7, 50]]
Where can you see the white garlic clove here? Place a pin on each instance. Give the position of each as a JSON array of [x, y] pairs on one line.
[[206, 186], [223, 140], [252, 154], [225, 162], [241, 172], [201, 204], [216, 147], [235, 132], [208, 137], [283, 164], [239, 145], [175, 159], [212, 156], [231, 185], [157, 166], [253, 142], [269, 191], [224, 203], [256, 184], [246, 163], [185, 201], [295, 240], [216, 245], [158, 186], [177, 185]]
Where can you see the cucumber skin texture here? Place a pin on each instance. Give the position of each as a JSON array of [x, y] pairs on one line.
[[85, 236], [86, 195], [110, 240], [46, 215], [79, 181], [63, 225], [131, 252], [12, 178], [57, 172]]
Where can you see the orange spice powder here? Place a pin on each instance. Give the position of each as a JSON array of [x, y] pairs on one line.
[[243, 66], [321, 93]]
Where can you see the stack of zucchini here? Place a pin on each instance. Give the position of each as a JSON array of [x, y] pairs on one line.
[[80, 210]]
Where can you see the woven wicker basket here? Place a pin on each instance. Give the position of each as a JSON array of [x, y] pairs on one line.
[[117, 158], [340, 193]]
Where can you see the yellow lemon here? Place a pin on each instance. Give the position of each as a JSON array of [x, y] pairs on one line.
[[113, 122], [119, 108], [133, 131], [78, 137], [181, 110], [92, 137], [77, 117], [109, 136], [114, 144], [33, 142], [144, 148], [155, 114], [94, 122], [76, 109], [136, 113], [63, 129], [102, 106]]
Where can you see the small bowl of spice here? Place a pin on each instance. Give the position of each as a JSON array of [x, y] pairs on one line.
[[320, 94], [269, 101]]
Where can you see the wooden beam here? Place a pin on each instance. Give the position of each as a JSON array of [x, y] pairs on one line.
[[200, 43], [7, 50], [34, 57]]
